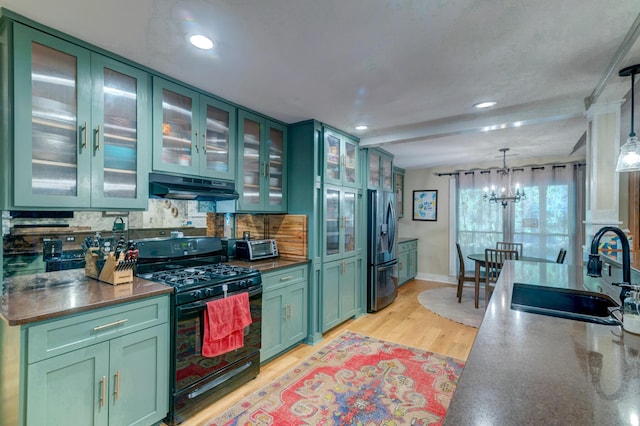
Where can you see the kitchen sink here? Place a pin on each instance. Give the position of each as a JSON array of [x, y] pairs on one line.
[[564, 303]]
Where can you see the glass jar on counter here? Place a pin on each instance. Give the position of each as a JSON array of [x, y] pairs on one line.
[[631, 312]]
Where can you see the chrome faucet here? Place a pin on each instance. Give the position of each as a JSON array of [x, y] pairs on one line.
[[594, 266]]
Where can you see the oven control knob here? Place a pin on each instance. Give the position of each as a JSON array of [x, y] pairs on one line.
[[243, 283], [197, 294], [208, 292]]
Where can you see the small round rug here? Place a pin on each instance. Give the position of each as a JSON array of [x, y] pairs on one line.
[[442, 301]]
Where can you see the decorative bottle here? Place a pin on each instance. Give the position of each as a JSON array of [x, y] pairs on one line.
[[631, 312]]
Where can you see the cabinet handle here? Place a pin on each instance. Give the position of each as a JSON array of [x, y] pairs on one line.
[[264, 173], [204, 142], [84, 143], [287, 278], [290, 311], [284, 312], [112, 324], [117, 384], [103, 390], [197, 149], [98, 138]]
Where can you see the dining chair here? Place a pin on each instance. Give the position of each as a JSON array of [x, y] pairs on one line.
[[561, 256], [503, 245], [463, 274], [493, 261]]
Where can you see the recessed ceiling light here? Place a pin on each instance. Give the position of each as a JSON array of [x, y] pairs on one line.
[[486, 104], [201, 42], [361, 127]]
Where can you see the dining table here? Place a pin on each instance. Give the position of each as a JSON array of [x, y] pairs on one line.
[[480, 261]]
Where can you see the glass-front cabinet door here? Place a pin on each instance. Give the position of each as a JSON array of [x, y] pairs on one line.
[[252, 164], [218, 133], [341, 159], [276, 166], [174, 136], [122, 126], [332, 222], [349, 222], [387, 174], [262, 164], [78, 119], [52, 121]]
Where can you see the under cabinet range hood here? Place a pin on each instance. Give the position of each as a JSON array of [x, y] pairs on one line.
[[190, 188]]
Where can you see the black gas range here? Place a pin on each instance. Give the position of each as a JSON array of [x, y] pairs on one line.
[[192, 266]]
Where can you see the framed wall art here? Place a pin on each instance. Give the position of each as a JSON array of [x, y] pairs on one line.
[[425, 205]]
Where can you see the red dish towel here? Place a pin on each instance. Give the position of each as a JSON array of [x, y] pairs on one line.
[[224, 323]]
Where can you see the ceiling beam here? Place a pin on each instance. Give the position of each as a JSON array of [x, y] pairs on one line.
[[535, 113]]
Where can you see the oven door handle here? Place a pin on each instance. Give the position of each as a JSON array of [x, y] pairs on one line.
[[198, 306]]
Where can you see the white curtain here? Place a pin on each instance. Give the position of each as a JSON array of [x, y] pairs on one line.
[[550, 218]]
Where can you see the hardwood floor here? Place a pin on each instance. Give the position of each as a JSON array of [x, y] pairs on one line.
[[405, 322]]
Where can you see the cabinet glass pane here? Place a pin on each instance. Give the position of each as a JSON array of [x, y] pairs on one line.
[[333, 222], [120, 134], [333, 157], [54, 128], [217, 139], [251, 161], [349, 222], [374, 169], [350, 163], [276, 159], [387, 174], [399, 189], [177, 128]]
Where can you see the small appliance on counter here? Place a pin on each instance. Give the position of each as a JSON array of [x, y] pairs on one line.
[[256, 249]]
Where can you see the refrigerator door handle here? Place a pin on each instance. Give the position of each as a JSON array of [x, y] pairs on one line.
[[391, 224]]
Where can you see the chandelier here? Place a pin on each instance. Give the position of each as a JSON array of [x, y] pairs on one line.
[[506, 192]]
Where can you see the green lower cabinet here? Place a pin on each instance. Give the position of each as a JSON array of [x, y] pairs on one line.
[[284, 310], [118, 380], [339, 291], [67, 389], [407, 260]]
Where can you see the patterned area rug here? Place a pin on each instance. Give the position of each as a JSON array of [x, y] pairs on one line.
[[354, 380], [444, 302]]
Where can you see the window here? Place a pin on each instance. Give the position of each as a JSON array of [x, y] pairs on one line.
[[545, 222]]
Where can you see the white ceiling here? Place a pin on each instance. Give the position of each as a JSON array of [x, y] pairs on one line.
[[410, 69]]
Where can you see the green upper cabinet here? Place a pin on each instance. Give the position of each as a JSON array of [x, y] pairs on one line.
[[380, 171], [262, 173], [193, 133], [81, 126], [340, 159]]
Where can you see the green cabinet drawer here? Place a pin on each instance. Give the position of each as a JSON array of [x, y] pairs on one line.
[[274, 280], [55, 337]]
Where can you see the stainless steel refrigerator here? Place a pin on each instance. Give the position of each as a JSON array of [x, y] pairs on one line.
[[382, 273]]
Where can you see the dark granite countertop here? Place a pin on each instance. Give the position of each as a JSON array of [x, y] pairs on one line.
[[268, 265], [534, 369], [37, 297]]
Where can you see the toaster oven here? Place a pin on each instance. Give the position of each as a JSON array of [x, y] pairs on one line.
[[256, 249]]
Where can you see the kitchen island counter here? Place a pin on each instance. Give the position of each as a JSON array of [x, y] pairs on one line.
[[37, 297], [526, 368]]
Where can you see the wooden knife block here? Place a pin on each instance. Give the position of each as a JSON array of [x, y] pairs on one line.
[[108, 273]]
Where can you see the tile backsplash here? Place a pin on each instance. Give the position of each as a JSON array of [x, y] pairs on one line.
[[160, 214]]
